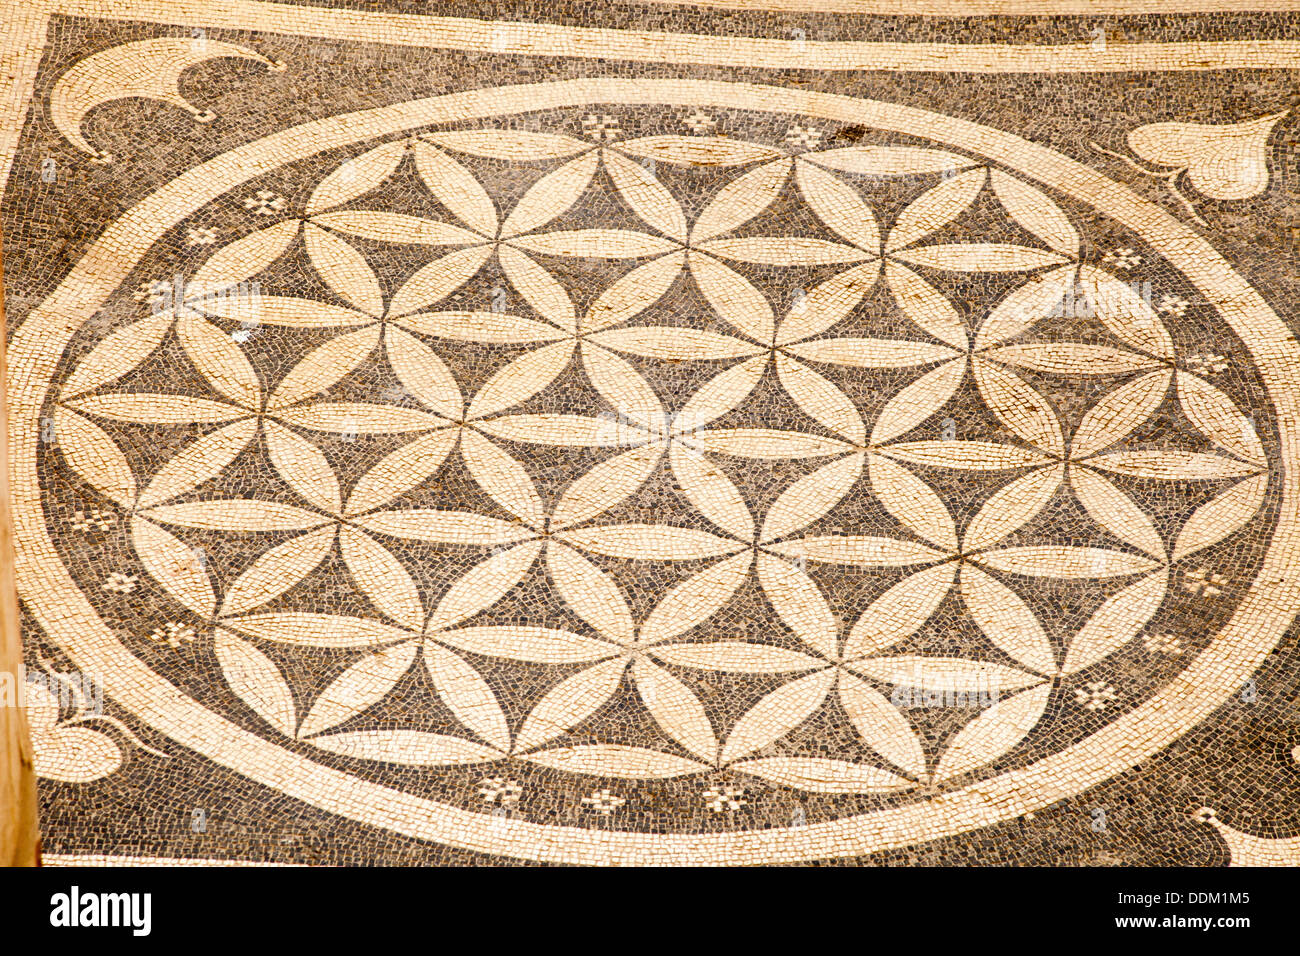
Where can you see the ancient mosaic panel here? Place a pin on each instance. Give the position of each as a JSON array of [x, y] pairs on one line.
[[656, 434]]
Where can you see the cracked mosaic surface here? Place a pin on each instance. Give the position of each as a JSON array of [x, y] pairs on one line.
[[501, 458]]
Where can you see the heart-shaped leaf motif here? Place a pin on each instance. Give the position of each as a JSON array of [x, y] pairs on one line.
[[1222, 162]]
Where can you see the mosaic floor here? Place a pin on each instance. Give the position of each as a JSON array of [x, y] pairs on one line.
[[656, 433]]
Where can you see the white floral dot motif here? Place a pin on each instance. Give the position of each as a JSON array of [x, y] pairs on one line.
[[1164, 643], [200, 236], [722, 799], [700, 123], [603, 802], [1122, 258], [121, 583], [1096, 695], [93, 519], [264, 202], [810, 348], [1172, 305], [1204, 583], [1208, 364]]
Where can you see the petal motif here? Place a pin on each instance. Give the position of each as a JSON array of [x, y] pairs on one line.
[[359, 687], [993, 733], [799, 604], [467, 695], [570, 702], [776, 715]]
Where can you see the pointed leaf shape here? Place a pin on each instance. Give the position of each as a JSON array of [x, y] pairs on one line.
[[799, 604], [980, 257], [319, 630], [736, 657], [711, 492], [1024, 307], [993, 733], [277, 570], [324, 366], [899, 613], [481, 327], [467, 695], [741, 200], [1173, 465], [1072, 358], [521, 379], [359, 687], [1119, 619], [1113, 418], [820, 399], [811, 497], [885, 730], [914, 503], [1032, 209], [1117, 305], [675, 708], [242, 259], [423, 374], [828, 303], [1116, 511], [786, 251], [580, 431], [888, 161], [536, 645], [675, 343], [174, 565], [95, 457], [925, 305], [634, 292], [857, 550], [606, 485], [951, 674], [1218, 419], [918, 401], [872, 353], [596, 244], [733, 297], [616, 760], [118, 353], [1221, 516], [776, 715], [359, 418], [356, 177], [397, 227], [511, 145], [198, 462], [444, 527], [456, 188], [819, 775], [695, 600], [1066, 561], [590, 593], [409, 748], [1012, 507], [768, 443], [539, 288], [401, 470], [220, 360], [935, 208], [439, 279], [303, 467], [381, 577], [698, 150], [344, 270], [966, 455], [649, 542], [570, 702], [838, 205], [622, 386], [75, 755], [1006, 620], [255, 680], [1019, 406], [502, 477], [551, 196], [237, 514], [719, 395], [646, 196], [1222, 162], [483, 585]]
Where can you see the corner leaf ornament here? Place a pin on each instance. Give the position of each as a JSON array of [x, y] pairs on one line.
[[1221, 162]]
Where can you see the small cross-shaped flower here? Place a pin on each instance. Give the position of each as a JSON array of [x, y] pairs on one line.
[[602, 128], [803, 137], [500, 790], [725, 798], [1123, 258], [1095, 695], [121, 583], [173, 634], [200, 236], [1165, 643], [1203, 582], [1174, 305], [700, 123], [603, 802], [264, 203], [1209, 364], [93, 520]]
